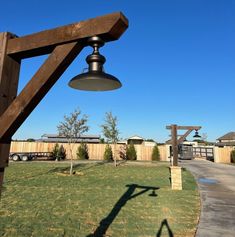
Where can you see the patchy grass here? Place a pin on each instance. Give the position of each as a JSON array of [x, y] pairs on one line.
[[129, 200]]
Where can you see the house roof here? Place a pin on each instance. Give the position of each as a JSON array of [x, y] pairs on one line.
[[168, 141], [65, 140], [225, 144], [81, 136], [135, 138], [59, 138], [227, 136]]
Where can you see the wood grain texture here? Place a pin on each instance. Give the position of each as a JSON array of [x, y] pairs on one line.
[[185, 127], [9, 75], [109, 27]]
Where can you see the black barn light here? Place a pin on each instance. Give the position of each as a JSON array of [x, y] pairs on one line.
[[95, 79], [196, 135]]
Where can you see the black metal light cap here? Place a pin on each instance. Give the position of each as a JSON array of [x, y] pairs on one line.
[[95, 79], [197, 135]]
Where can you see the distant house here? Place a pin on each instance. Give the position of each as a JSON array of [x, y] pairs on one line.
[[62, 139], [137, 140], [226, 140]]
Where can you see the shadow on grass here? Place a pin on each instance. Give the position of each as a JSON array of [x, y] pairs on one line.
[[128, 195], [83, 167], [165, 224]]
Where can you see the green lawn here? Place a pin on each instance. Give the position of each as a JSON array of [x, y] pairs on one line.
[[129, 200]]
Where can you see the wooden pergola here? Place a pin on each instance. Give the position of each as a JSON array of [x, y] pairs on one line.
[[175, 141], [63, 44]]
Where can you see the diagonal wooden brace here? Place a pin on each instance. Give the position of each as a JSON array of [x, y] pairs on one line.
[[37, 87]]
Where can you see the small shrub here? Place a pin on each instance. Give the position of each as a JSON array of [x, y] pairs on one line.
[[61, 153], [108, 154], [82, 152], [232, 154], [131, 152], [55, 151], [58, 152], [155, 153]]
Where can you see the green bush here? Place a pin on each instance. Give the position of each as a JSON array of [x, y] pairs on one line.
[[232, 156], [55, 151], [155, 153], [131, 152], [62, 153], [58, 152], [108, 154], [82, 152]]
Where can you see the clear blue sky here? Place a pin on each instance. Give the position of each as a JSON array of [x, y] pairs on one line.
[[176, 62]]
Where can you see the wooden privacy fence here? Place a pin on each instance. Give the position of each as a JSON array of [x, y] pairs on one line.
[[96, 151], [222, 154]]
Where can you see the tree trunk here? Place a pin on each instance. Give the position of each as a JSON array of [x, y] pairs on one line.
[[71, 167], [71, 159], [114, 156]]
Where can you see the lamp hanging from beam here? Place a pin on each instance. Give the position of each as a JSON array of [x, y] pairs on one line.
[[95, 79], [196, 135]]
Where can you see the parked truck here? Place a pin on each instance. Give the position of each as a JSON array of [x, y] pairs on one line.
[[26, 156]]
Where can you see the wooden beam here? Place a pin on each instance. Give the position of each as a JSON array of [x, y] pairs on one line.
[[9, 74], [109, 27], [185, 127], [37, 88]]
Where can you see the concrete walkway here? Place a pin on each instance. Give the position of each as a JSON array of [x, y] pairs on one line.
[[216, 184]]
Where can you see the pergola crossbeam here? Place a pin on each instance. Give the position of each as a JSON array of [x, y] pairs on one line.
[[185, 127], [109, 27]]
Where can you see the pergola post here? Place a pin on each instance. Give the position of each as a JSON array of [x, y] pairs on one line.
[[9, 74], [174, 144]]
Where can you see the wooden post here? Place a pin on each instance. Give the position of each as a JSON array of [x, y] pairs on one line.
[[174, 144], [9, 74]]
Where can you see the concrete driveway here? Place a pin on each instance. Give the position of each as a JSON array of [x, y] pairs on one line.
[[216, 184]]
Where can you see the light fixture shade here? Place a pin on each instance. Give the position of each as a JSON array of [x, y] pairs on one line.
[[197, 135], [95, 81]]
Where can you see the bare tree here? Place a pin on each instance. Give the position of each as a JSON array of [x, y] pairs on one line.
[[110, 131], [204, 137], [72, 128]]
